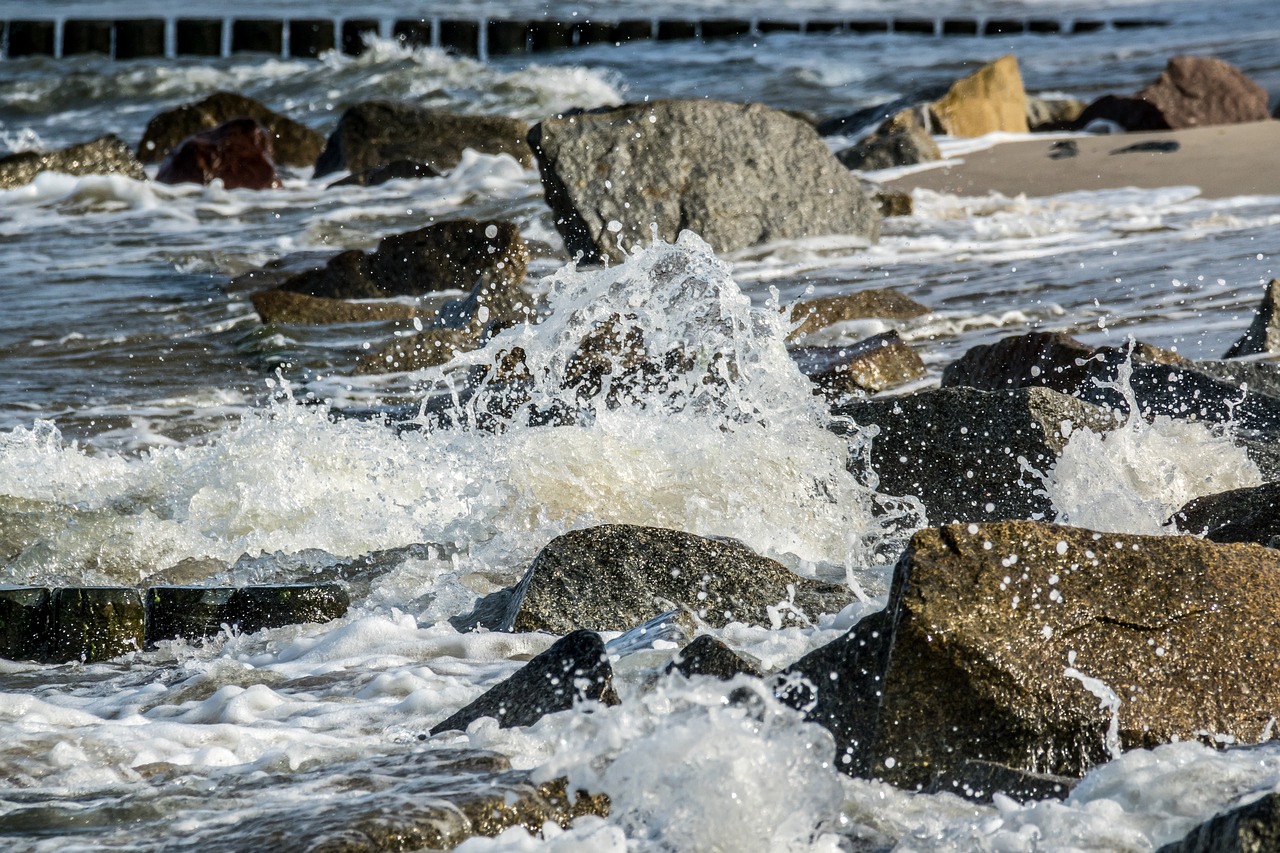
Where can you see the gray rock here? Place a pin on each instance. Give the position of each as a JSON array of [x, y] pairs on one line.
[[1260, 376], [903, 147], [958, 449], [1254, 828], [376, 133], [1263, 335], [292, 143], [575, 669], [708, 656], [106, 155], [1240, 515], [736, 174]]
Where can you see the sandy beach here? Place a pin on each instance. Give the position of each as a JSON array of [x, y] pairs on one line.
[[1224, 160]]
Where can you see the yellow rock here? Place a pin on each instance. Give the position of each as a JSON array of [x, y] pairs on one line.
[[989, 99]]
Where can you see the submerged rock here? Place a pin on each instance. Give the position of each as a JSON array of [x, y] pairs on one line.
[[708, 656], [1049, 649], [1240, 515], [988, 100], [396, 170], [961, 451], [283, 306], [1195, 91], [377, 133], [900, 146], [1263, 335], [736, 174], [238, 153], [575, 669], [878, 303], [106, 155], [876, 364], [1253, 828], [614, 576], [292, 143]]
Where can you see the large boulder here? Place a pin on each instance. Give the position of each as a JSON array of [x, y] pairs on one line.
[[1119, 111], [106, 155], [988, 100], [1195, 91], [962, 451], [735, 174], [238, 153], [1050, 649], [292, 143], [377, 133], [1241, 515], [616, 576], [1263, 335], [873, 303]]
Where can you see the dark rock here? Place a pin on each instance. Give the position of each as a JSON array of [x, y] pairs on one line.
[[708, 656], [614, 576], [1254, 828], [905, 147], [885, 303], [1260, 376], [1131, 114], [186, 612], [1196, 91], [1047, 649], [24, 622], [893, 202], [869, 117], [92, 624], [1240, 515], [876, 364], [377, 133], [238, 153], [988, 100], [292, 143], [106, 155], [736, 174], [978, 780], [575, 669], [253, 608], [1263, 335], [277, 271], [1161, 146], [958, 449], [1049, 114], [398, 170], [283, 306]]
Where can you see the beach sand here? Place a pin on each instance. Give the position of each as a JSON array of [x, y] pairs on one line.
[[1224, 160]]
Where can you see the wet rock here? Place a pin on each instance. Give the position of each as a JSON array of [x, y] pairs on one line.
[[24, 622], [1129, 114], [397, 170], [875, 116], [277, 271], [876, 364], [1263, 335], [253, 608], [377, 133], [93, 624], [885, 304], [106, 155], [959, 449], [428, 348], [283, 306], [905, 147], [292, 143], [1260, 376], [708, 656], [988, 100], [1254, 828], [575, 669], [1050, 114], [736, 174], [1196, 91], [893, 202], [186, 612], [979, 780], [238, 153], [1047, 649], [1240, 515]]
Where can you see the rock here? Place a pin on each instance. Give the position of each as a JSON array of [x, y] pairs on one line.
[[875, 116], [292, 143], [455, 254], [277, 271], [1253, 828], [1049, 114], [958, 449], [708, 656], [377, 133], [1048, 649], [24, 622], [238, 153], [736, 174], [575, 669], [876, 364], [1127, 114], [988, 100], [186, 612], [905, 147], [283, 306], [92, 624], [428, 348], [397, 170], [1240, 515], [979, 780], [884, 304], [1260, 376], [253, 608], [1196, 91], [893, 202], [1263, 335], [106, 155], [614, 576]]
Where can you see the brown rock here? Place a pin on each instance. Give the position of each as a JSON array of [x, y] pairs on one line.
[[988, 100], [376, 133], [876, 364], [1263, 335], [292, 143], [878, 303], [1045, 114], [283, 306], [1132, 114], [893, 203], [238, 153], [1194, 91], [105, 155]]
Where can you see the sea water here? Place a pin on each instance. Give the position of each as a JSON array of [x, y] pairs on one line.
[[147, 420]]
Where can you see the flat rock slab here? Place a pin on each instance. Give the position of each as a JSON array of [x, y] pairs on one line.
[[283, 306], [575, 669], [735, 174]]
